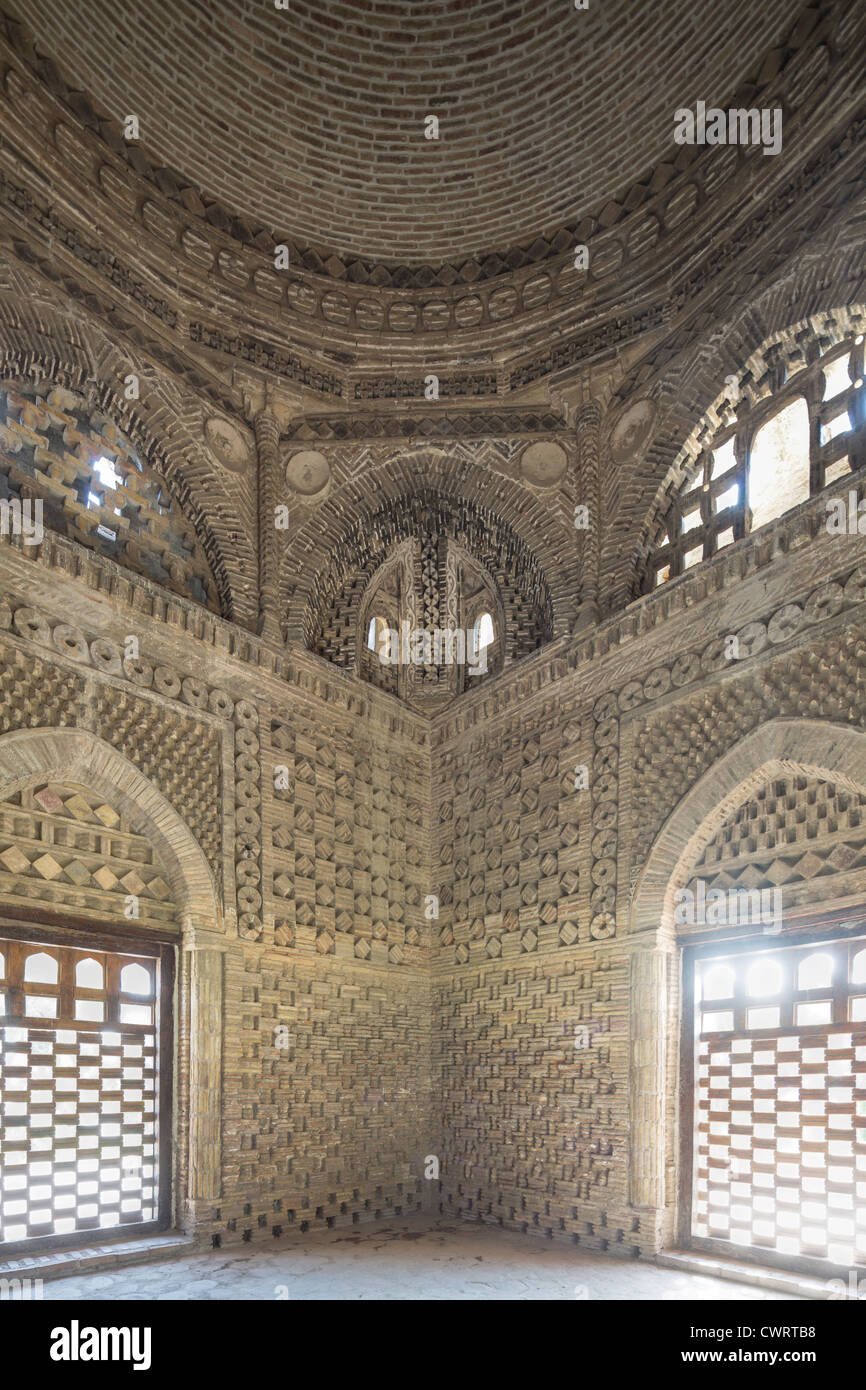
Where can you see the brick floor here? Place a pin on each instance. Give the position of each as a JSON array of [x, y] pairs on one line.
[[406, 1259]]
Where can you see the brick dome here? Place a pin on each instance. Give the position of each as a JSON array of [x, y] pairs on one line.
[[310, 121]]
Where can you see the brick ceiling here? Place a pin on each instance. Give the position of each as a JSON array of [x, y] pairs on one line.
[[310, 121]]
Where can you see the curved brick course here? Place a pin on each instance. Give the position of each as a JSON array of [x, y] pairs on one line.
[[540, 120]]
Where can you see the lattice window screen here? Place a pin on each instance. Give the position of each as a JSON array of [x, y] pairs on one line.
[[712, 507], [780, 1102], [79, 1090]]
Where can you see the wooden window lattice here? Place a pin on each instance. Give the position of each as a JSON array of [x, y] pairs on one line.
[[79, 1093], [780, 1111]]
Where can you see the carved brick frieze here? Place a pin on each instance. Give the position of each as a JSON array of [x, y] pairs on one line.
[[94, 257], [405, 388], [266, 357], [445, 424]]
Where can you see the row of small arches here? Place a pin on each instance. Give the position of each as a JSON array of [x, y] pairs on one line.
[[43, 969], [765, 977], [483, 634]]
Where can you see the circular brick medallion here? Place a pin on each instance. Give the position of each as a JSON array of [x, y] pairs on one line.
[[632, 431], [543, 464], [227, 442], [308, 473]]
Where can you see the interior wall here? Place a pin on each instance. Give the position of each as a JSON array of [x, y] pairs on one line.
[[458, 922], [331, 1126], [304, 1003], [557, 918]]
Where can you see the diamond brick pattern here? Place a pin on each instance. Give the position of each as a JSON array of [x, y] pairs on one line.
[[95, 863], [761, 845]]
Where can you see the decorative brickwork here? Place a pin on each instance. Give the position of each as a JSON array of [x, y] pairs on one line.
[[349, 847], [532, 1067], [332, 621], [95, 489], [511, 867], [182, 760], [485, 215], [328, 1119], [719, 499], [34, 693], [691, 391], [62, 847], [180, 754], [671, 754], [795, 834], [424, 920]]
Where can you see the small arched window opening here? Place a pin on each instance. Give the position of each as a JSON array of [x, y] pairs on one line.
[[89, 974], [716, 982], [135, 979], [483, 634], [815, 971], [41, 969], [377, 632]]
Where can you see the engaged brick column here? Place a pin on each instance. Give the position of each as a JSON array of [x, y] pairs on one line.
[[206, 1016], [268, 448], [587, 420], [648, 992]]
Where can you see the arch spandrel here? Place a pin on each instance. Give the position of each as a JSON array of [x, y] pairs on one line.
[[33, 756], [814, 748]]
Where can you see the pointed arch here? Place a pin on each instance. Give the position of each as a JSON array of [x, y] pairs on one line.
[[344, 525], [809, 747], [687, 379], [28, 756], [164, 426], [801, 747]]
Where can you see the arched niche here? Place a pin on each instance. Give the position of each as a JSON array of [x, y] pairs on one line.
[[30, 757], [780, 747]]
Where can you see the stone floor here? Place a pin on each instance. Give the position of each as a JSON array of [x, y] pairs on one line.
[[402, 1259]]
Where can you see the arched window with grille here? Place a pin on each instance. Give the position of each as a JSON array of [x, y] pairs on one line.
[[64, 455], [793, 424]]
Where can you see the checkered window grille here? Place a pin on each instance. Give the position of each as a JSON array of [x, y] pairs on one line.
[[780, 1101], [79, 1090]]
